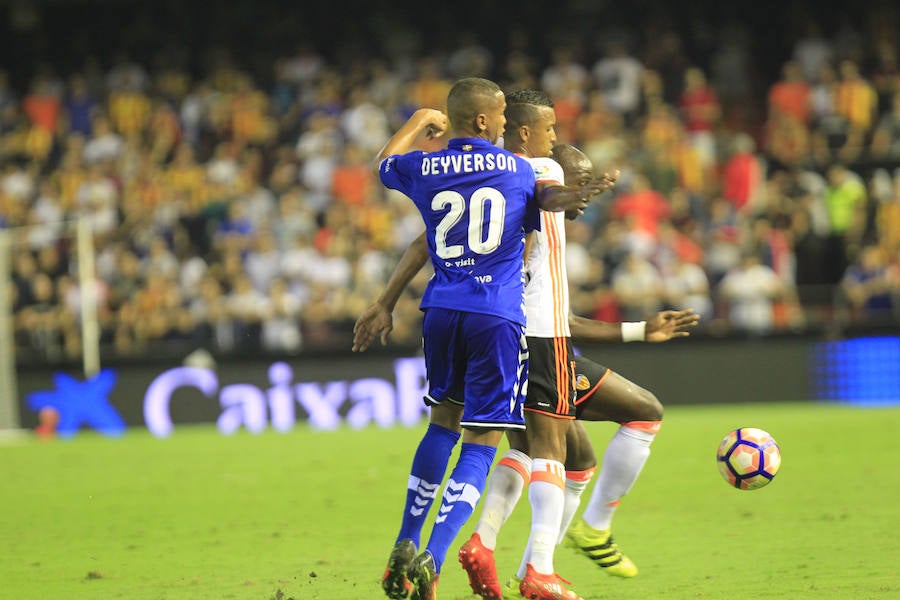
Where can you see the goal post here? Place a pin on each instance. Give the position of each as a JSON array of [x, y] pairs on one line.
[[10, 239], [87, 285], [9, 394]]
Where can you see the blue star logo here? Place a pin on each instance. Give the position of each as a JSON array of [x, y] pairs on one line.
[[81, 403]]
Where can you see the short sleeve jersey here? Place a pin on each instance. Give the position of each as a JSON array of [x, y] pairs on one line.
[[547, 292], [477, 201]]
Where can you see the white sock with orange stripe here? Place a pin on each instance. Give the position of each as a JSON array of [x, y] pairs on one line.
[[622, 463], [576, 482], [503, 492], [547, 496]]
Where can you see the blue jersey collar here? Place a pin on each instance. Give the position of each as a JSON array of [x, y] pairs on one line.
[[472, 142]]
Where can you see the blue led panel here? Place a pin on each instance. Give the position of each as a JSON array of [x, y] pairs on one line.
[[864, 371]]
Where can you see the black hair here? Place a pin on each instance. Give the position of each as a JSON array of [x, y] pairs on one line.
[[522, 107]]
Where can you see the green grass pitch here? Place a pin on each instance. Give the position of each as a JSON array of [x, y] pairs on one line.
[[309, 515]]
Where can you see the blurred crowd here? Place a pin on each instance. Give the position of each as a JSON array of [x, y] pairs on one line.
[[236, 210]]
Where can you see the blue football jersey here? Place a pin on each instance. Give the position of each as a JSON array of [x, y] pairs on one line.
[[477, 201]]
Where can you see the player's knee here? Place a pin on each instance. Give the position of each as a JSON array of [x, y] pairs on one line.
[[446, 415], [651, 407], [546, 443]]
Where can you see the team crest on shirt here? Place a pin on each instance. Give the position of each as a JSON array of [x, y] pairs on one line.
[[541, 171], [582, 382]]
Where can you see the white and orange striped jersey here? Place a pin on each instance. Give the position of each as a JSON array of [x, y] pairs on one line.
[[547, 292]]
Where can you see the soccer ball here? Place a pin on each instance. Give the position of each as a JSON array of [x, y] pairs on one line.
[[748, 458]]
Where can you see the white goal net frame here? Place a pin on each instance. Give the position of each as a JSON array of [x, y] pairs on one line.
[[10, 419]]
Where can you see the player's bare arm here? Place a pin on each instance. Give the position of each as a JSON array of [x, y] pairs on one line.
[[529, 242], [664, 326], [377, 320], [428, 120], [572, 197]]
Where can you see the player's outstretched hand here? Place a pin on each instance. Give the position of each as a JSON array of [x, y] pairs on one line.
[[670, 324], [590, 189], [600, 184], [610, 180], [375, 321]]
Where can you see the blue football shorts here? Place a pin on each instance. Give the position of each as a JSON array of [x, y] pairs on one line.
[[479, 361]]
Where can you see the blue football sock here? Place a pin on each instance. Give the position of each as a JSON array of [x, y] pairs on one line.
[[461, 495], [428, 468]]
